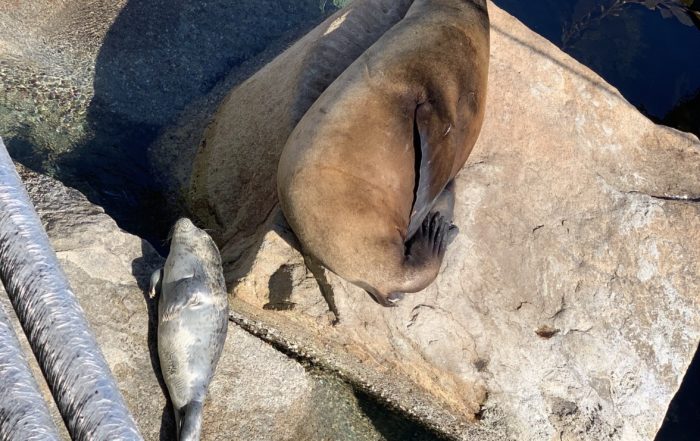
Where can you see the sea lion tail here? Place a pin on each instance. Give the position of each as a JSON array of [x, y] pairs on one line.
[[191, 428]]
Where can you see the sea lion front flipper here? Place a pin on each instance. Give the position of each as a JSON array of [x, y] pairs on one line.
[[186, 293], [155, 283], [323, 285], [433, 161]]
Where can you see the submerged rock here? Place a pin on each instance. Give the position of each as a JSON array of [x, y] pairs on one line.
[[567, 306]]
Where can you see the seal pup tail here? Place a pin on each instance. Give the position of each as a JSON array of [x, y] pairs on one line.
[[191, 421]]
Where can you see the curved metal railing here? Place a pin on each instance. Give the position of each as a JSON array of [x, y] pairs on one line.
[[23, 412], [75, 369]]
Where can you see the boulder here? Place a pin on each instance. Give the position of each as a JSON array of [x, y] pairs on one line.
[[258, 393], [567, 306]]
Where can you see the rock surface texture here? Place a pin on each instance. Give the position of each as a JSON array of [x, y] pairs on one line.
[[567, 308], [258, 393]]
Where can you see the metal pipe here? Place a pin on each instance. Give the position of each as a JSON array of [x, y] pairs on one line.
[[23, 412], [76, 371]]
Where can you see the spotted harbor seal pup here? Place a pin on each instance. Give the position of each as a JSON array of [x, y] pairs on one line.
[[364, 179], [192, 322]]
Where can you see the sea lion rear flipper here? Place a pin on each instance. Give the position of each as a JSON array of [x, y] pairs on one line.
[[433, 161]]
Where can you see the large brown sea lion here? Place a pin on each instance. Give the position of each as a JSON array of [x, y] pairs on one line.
[[231, 189], [362, 172]]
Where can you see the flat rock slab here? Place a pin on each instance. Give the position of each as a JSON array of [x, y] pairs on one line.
[[567, 308], [258, 393]]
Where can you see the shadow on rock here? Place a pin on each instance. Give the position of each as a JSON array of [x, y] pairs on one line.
[[391, 426], [681, 421], [157, 57], [280, 287], [142, 268]]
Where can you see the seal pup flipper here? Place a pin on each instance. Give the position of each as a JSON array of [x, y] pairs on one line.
[[191, 421], [154, 286], [186, 293]]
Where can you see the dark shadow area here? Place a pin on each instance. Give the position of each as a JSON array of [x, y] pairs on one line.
[[280, 287], [23, 151], [157, 57], [686, 115], [392, 426], [682, 421], [650, 59], [142, 268]]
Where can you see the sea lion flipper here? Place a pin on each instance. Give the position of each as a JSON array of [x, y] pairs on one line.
[[428, 245], [155, 282], [429, 135]]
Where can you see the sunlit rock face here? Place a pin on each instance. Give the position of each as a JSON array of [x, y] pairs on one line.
[[567, 306], [258, 393]]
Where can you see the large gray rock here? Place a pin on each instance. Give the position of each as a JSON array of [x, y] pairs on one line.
[[258, 393], [566, 308]]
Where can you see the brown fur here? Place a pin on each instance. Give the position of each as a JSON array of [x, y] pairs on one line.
[[232, 185], [347, 175]]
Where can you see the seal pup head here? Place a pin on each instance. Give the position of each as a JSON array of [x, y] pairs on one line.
[[187, 237]]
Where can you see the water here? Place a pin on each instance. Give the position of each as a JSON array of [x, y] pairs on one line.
[[653, 61]]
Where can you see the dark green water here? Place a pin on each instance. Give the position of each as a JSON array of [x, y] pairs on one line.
[[651, 56]]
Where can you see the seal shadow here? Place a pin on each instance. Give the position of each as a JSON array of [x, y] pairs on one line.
[[142, 268]]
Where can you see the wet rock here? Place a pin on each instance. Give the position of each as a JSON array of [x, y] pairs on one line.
[[567, 306]]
